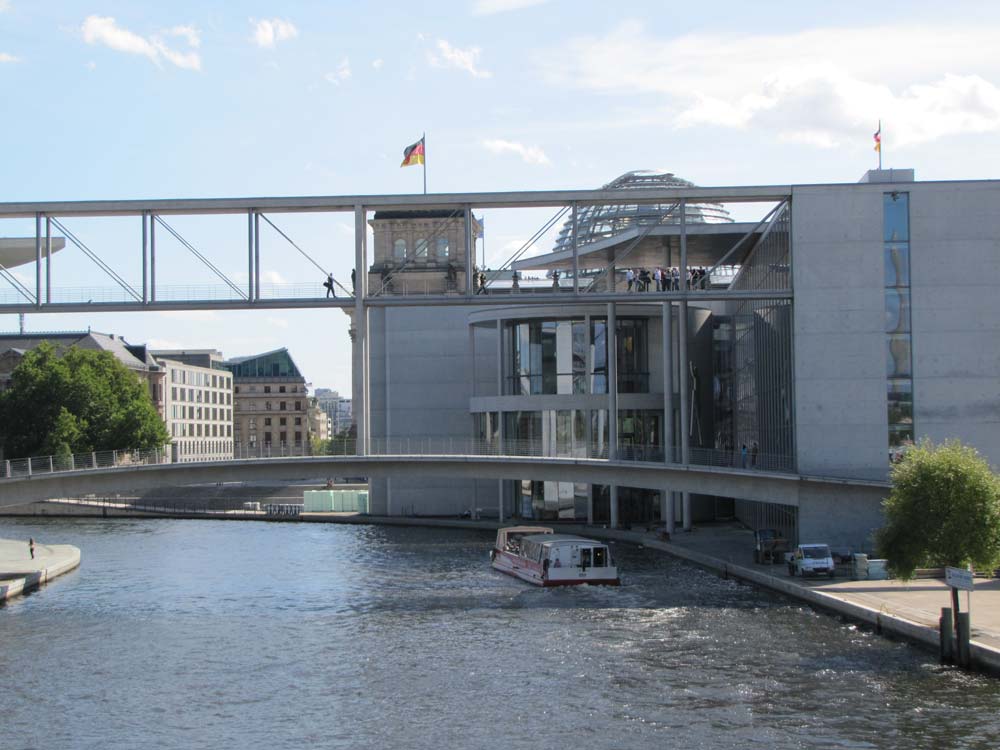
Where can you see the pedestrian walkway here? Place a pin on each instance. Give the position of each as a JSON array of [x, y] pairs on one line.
[[20, 572]]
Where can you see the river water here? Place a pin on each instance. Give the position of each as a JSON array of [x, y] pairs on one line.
[[208, 634]]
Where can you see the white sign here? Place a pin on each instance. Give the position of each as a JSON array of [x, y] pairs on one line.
[[958, 578]]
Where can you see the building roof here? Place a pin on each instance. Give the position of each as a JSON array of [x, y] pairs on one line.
[[63, 340], [428, 214], [16, 251], [275, 363]]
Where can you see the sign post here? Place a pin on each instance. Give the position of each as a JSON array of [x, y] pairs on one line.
[[960, 579]]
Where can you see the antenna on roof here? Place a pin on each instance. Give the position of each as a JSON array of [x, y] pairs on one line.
[[20, 321]]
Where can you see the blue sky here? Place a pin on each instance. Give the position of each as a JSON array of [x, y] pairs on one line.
[[208, 99]]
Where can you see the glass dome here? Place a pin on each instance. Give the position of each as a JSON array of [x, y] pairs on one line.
[[598, 222]]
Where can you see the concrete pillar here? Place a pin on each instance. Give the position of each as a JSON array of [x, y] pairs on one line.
[[360, 364], [152, 258], [668, 383], [614, 506], [256, 255], [145, 257], [576, 253], [682, 361], [590, 504], [612, 359], [250, 274], [667, 510], [469, 256], [38, 260]]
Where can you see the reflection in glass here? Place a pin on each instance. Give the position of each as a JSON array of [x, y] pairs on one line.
[[897, 310], [896, 217], [898, 359], [897, 265]]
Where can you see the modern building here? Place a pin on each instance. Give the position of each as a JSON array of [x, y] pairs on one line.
[[197, 404], [270, 405], [837, 325]]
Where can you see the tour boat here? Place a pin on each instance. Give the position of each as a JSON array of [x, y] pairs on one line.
[[537, 555]]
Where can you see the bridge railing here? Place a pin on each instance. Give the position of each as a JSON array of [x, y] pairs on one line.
[[410, 446]]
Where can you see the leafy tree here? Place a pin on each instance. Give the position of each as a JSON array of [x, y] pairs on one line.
[[944, 509], [82, 401]]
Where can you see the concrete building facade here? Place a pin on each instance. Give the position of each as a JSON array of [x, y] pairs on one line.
[[820, 340]]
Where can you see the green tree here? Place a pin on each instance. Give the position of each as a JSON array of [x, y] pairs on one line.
[[944, 509], [79, 402]]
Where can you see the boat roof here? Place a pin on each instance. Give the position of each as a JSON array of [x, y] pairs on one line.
[[554, 538]]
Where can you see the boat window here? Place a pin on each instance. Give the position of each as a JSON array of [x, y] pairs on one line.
[[600, 557], [585, 558]]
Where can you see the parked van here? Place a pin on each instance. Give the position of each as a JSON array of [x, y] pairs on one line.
[[811, 560]]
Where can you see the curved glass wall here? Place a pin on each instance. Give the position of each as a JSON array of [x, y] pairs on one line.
[[545, 357]]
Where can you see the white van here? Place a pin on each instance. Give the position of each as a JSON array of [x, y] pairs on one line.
[[811, 560]]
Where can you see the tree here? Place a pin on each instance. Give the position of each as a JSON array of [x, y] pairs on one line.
[[944, 509], [82, 401]]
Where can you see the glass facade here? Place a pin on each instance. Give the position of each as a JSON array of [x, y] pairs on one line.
[[899, 355], [567, 357], [752, 382]]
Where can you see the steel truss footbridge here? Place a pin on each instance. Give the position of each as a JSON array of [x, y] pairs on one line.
[[584, 261]]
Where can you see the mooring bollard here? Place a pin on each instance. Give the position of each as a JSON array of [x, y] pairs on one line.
[[964, 633], [947, 639]]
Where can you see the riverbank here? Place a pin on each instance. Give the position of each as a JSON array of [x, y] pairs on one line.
[[20, 572]]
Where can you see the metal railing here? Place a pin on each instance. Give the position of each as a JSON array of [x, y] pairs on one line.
[[411, 446]]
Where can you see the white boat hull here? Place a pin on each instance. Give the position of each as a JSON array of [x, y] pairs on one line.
[[535, 574]]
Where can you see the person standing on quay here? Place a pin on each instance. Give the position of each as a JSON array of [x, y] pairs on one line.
[[31, 547]]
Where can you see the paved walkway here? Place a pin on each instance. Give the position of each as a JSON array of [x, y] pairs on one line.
[[918, 601], [19, 572]]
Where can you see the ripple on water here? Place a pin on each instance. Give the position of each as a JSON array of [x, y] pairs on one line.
[[207, 634]]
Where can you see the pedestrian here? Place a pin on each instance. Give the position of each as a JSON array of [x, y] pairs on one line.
[[743, 455], [658, 278], [31, 547], [329, 285], [630, 278], [754, 450], [354, 281]]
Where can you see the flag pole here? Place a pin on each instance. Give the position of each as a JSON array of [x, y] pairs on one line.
[[879, 147], [423, 137]]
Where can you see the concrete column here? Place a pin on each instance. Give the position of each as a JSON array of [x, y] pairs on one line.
[[48, 259], [590, 504], [667, 510], [152, 258], [682, 361], [145, 257], [576, 254], [38, 261], [612, 359], [256, 255], [469, 255], [250, 273], [500, 362], [472, 369], [668, 383], [614, 506], [360, 364], [612, 339]]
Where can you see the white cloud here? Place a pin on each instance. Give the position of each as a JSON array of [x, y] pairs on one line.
[[276, 322], [105, 31], [823, 87], [267, 32], [273, 277], [6, 58], [377, 63], [342, 73], [489, 7], [4, 6], [528, 154], [453, 57]]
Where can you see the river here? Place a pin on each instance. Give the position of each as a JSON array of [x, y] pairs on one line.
[[209, 634]]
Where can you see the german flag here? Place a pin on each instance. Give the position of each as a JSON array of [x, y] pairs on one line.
[[877, 136], [413, 154]]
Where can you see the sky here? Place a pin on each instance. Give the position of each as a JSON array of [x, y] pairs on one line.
[[109, 99]]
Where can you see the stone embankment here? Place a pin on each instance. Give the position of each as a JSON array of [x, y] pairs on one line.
[[20, 572]]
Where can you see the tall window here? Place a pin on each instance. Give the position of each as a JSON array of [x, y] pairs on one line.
[[899, 357], [442, 247], [399, 249], [421, 248]]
